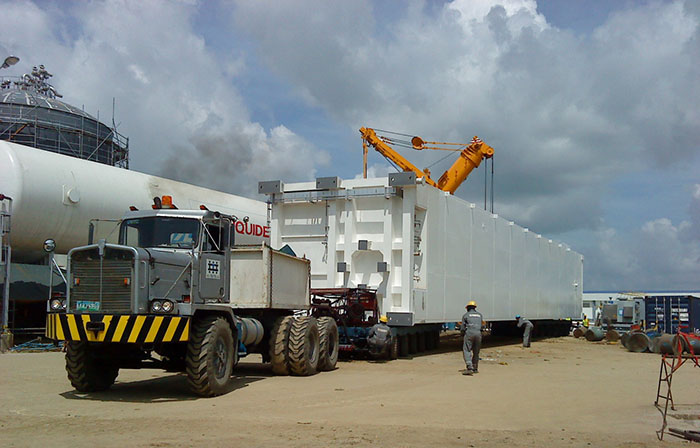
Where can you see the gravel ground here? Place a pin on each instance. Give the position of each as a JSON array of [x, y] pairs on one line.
[[561, 392]]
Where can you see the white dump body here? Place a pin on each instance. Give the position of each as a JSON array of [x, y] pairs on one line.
[[55, 196], [426, 252], [265, 278]]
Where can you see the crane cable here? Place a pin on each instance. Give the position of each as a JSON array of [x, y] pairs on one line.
[[407, 144]]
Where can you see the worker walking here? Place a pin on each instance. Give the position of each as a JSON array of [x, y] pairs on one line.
[[379, 339], [522, 322], [471, 326], [585, 321], [599, 316]]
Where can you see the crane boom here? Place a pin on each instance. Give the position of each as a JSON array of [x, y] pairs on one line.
[[369, 136], [469, 158]]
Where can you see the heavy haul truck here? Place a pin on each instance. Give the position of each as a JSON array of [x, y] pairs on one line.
[[177, 293]]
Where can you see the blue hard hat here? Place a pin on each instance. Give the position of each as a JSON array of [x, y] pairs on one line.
[[517, 316]]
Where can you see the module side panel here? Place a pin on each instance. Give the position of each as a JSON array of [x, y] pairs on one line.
[[502, 270], [518, 263], [302, 226], [457, 260]]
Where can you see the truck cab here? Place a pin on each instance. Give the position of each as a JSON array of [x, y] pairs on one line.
[[166, 262]]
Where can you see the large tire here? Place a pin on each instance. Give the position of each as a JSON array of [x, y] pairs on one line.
[[328, 344], [412, 343], [210, 356], [303, 346], [403, 345], [279, 341], [393, 352], [421, 342], [429, 340], [85, 372]]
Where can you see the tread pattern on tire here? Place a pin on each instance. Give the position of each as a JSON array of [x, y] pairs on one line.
[[202, 339], [85, 373], [303, 346], [394, 348], [279, 341], [328, 343]]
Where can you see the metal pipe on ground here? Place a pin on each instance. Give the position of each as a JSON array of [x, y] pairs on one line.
[[579, 331], [595, 334], [694, 343], [663, 344], [638, 342], [612, 336], [624, 338]]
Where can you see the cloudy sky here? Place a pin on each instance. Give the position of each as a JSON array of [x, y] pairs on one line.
[[592, 107]]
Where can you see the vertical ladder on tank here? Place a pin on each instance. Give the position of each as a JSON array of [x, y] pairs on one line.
[[5, 256]]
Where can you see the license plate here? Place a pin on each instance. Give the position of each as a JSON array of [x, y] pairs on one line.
[[86, 305]]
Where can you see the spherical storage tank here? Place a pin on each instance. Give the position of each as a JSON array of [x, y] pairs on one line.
[[32, 115], [55, 196]]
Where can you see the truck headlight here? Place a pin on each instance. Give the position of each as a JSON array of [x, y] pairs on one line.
[[57, 304], [161, 306]]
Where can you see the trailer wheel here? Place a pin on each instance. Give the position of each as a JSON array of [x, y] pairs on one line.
[[403, 345], [412, 343], [303, 346], [430, 340], [85, 372], [279, 340], [421, 341], [209, 359], [394, 348], [328, 343]]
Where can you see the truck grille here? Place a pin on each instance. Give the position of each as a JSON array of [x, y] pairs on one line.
[[116, 296]]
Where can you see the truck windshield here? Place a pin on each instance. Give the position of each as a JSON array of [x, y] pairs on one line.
[[160, 232]]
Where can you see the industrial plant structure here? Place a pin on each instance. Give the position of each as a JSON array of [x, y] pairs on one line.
[[31, 114]]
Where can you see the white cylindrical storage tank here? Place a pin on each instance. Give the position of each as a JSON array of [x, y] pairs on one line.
[[56, 196]]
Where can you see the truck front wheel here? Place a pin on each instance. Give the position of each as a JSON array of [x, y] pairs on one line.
[[86, 372], [209, 359]]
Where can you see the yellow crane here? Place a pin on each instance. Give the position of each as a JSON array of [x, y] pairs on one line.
[[470, 157]]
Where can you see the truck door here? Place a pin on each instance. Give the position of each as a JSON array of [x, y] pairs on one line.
[[214, 262]]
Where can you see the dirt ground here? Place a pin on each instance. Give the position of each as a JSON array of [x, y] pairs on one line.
[[561, 392]]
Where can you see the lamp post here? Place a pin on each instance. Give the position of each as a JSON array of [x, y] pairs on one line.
[[10, 60]]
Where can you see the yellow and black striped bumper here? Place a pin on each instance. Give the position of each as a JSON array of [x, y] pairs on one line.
[[132, 328]]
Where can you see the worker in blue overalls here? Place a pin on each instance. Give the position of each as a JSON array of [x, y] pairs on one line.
[[471, 327], [522, 322]]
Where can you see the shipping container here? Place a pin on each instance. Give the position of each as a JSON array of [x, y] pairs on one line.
[[671, 313]]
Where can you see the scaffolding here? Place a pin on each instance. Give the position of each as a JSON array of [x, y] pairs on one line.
[[31, 115]]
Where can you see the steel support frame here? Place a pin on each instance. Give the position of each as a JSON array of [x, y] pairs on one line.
[[666, 371]]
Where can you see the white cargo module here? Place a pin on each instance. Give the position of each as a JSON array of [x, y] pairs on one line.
[[426, 252]]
